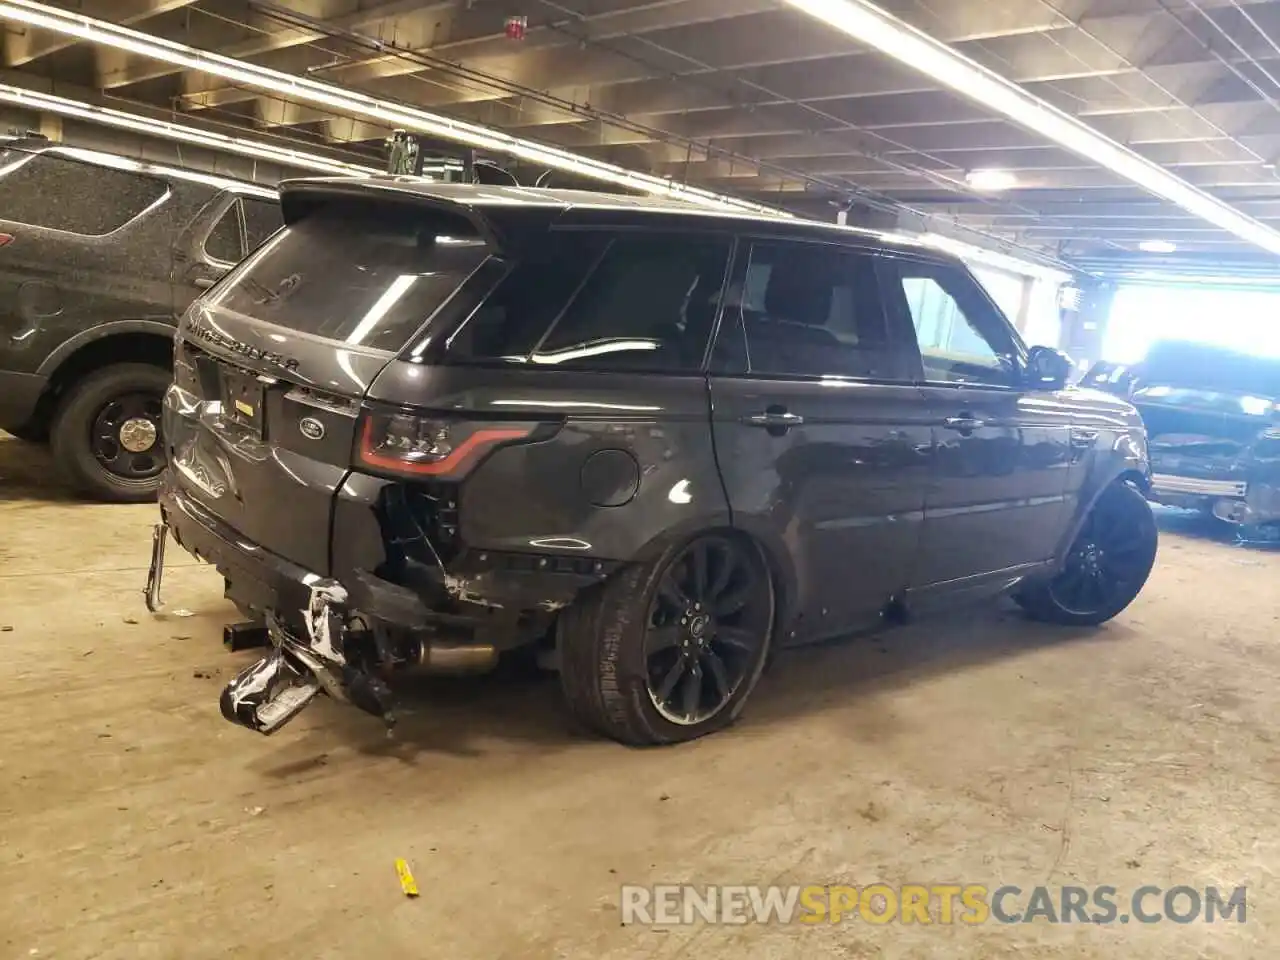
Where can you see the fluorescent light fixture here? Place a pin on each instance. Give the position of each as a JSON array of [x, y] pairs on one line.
[[353, 102], [1157, 246], [872, 26], [991, 181], [148, 126]]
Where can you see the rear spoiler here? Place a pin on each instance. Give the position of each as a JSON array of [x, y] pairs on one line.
[[301, 198]]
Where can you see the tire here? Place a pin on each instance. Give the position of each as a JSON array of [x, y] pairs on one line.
[[85, 412], [616, 650], [1107, 566]]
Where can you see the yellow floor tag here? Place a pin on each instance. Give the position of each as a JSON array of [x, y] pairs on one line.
[[407, 883]]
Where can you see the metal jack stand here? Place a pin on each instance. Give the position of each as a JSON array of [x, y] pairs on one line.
[[159, 537]]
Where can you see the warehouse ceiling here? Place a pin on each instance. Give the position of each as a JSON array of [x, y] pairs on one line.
[[754, 98]]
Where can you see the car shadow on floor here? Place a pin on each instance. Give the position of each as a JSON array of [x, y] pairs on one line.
[[519, 704], [27, 473]]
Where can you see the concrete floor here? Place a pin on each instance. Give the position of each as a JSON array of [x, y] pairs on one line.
[[136, 823]]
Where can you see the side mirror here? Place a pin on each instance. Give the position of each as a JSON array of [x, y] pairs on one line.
[[1048, 369]]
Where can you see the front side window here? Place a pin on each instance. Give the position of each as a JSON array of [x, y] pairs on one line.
[[48, 191], [806, 310], [962, 338], [589, 300]]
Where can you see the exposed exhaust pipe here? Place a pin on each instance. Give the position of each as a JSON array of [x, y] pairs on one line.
[[450, 658]]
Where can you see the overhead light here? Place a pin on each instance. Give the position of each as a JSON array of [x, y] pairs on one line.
[[991, 181], [353, 102], [180, 132], [1157, 246], [882, 31]]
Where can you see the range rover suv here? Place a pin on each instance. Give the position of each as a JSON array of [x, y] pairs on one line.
[[99, 256], [424, 425], [1213, 416]]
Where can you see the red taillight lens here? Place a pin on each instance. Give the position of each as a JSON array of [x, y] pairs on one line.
[[429, 447]]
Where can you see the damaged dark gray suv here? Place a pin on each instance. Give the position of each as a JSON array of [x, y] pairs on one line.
[[425, 425]]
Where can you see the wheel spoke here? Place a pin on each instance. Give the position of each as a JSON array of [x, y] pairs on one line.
[[662, 638], [737, 637], [698, 560], [671, 594], [732, 600], [719, 672], [692, 693], [725, 570], [668, 685]]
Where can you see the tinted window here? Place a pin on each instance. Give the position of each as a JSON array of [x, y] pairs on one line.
[[261, 219], [803, 309], [224, 240], [49, 191], [962, 337], [642, 301], [365, 274]]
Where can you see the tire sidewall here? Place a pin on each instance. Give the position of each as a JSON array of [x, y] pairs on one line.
[[73, 422]]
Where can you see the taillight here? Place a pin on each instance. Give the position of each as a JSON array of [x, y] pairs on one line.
[[410, 445]]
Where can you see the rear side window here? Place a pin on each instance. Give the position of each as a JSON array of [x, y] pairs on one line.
[[365, 274], [806, 310], [261, 219], [242, 228], [643, 301], [44, 190]]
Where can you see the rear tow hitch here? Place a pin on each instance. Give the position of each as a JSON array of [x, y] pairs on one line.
[[271, 692]]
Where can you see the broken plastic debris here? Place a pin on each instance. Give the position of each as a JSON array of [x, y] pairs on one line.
[[254, 811], [407, 883], [183, 612], [131, 621]]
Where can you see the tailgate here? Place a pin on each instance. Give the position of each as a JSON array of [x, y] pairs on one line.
[[272, 365]]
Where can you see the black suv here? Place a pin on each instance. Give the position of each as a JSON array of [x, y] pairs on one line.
[[424, 425], [99, 256], [1213, 415]]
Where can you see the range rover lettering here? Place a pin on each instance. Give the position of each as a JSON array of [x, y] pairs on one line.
[[651, 440]]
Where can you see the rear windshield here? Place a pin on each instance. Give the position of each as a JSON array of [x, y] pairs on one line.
[[369, 275]]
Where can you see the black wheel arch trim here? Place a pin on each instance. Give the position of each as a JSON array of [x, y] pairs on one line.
[[68, 348], [1129, 472]]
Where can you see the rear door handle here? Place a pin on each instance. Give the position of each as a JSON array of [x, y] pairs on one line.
[[777, 420], [204, 283], [963, 424]]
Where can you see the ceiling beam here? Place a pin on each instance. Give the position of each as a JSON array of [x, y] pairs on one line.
[[23, 45]]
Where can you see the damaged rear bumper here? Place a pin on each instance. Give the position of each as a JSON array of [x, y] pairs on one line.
[[342, 636]]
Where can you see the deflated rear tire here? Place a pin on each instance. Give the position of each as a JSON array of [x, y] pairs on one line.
[[670, 650], [106, 434], [1106, 567]]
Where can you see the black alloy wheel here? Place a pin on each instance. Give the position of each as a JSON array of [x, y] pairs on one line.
[[703, 634], [106, 434], [670, 650], [125, 436], [1107, 565]]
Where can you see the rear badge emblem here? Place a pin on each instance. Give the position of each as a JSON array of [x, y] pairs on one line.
[[311, 428]]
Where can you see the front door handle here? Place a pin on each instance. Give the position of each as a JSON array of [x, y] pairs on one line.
[[777, 420], [963, 425]]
